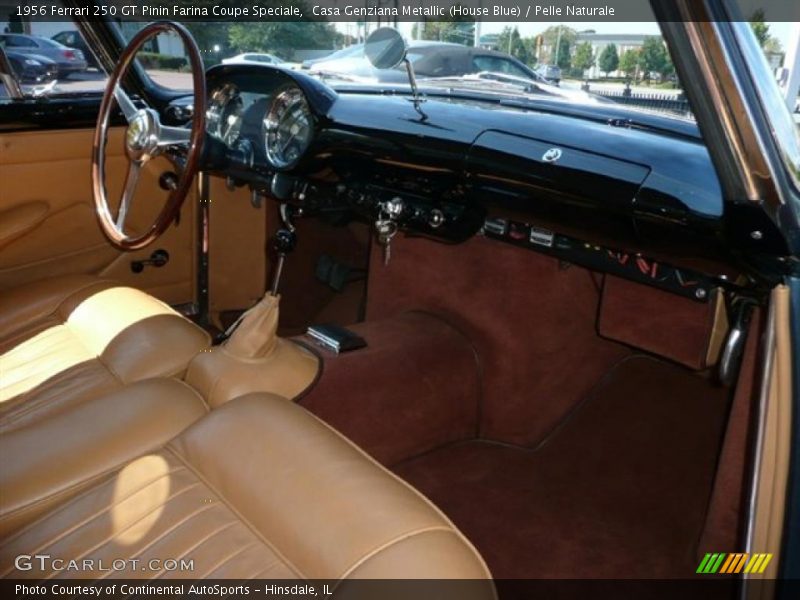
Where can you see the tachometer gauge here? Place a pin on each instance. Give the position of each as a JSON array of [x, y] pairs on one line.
[[288, 128], [224, 116]]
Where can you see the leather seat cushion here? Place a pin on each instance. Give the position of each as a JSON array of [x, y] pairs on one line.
[[257, 488], [57, 457], [69, 339]]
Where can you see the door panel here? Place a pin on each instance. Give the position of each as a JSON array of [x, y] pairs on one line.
[[238, 238], [48, 226]]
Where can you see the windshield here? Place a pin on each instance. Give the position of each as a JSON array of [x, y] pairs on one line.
[[625, 63]]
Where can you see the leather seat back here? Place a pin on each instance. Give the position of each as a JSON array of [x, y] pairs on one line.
[[70, 339], [327, 508]]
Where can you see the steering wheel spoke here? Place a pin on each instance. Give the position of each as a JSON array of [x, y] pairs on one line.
[[173, 136], [125, 103], [131, 179]]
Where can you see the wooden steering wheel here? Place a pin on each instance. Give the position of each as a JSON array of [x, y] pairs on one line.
[[145, 139]]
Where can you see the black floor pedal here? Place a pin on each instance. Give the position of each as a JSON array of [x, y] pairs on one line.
[[335, 274]]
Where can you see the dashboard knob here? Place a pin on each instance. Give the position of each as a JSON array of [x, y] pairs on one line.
[[436, 218], [168, 181]]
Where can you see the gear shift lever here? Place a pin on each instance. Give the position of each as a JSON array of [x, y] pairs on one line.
[[283, 243]]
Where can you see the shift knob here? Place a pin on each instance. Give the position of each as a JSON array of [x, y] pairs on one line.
[[284, 241]]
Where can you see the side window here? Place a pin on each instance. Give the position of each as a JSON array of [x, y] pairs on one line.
[[512, 69], [495, 64], [52, 59], [432, 64], [18, 41], [167, 65]]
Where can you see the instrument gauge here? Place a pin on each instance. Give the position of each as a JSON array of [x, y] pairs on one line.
[[225, 113], [288, 127]]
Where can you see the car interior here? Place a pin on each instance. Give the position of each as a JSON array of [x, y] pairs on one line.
[[527, 404]]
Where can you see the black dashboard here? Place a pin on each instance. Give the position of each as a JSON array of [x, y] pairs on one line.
[[271, 129], [441, 168]]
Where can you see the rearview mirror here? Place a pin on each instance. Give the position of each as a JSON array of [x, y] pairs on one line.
[[385, 48]]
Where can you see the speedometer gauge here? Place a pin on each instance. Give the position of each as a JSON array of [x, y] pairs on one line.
[[288, 128], [225, 111]]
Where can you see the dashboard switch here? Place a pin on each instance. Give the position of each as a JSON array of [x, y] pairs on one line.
[[496, 226], [541, 237], [518, 231]]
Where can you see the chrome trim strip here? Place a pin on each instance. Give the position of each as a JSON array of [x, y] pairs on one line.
[[763, 400]]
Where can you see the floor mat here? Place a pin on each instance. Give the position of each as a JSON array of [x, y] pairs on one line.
[[619, 490]]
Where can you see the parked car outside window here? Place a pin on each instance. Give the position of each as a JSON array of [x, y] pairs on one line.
[[69, 60], [551, 73], [73, 39]]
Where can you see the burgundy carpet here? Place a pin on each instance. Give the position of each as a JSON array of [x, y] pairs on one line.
[[416, 386], [618, 490], [531, 320]]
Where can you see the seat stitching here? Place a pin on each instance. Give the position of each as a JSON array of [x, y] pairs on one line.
[[260, 571], [194, 391], [110, 538], [19, 336], [265, 569], [40, 401], [18, 533], [74, 500], [199, 543], [67, 505], [398, 538], [167, 531], [35, 366], [111, 370], [25, 408], [233, 509], [46, 346], [228, 558]]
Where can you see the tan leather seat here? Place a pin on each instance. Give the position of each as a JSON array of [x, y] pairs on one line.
[[256, 488], [55, 458], [68, 339]]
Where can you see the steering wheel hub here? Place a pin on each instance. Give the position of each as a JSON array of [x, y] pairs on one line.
[[141, 138]]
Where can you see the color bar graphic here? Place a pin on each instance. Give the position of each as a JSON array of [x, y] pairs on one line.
[[733, 563]]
